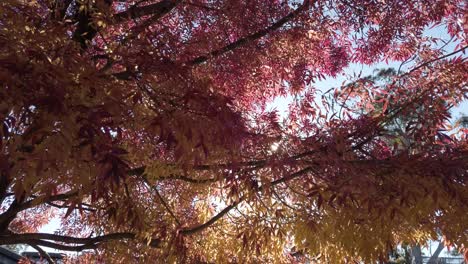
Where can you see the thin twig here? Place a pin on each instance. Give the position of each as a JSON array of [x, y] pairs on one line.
[[43, 253], [161, 199]]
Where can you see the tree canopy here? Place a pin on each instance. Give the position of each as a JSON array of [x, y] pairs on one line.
[[144, 127]]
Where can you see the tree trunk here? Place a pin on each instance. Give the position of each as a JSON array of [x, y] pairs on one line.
[[416, 255], [435, 256]]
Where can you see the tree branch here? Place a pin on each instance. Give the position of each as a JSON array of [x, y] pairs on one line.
[[255, 36], [436, 253], [60, 9], [87, 208], [43, 253], [434, 60], [83, 243], [161, 199], [157, 9], [141, 170], [196, 229], [18, 206], [46, 199]]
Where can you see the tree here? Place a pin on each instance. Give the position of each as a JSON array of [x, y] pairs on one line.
[[398, 132], [142, 126]]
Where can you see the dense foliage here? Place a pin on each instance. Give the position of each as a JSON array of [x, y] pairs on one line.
[[143, 127]]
